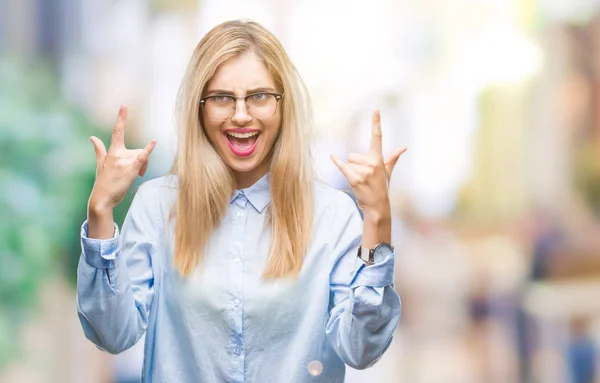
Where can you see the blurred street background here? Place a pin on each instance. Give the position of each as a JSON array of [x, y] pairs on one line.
[[496, 203]]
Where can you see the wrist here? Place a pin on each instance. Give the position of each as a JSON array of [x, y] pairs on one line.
[[99, 216], [378, 217], [97, 209], [377, 228], [98, 201], [100, 222]]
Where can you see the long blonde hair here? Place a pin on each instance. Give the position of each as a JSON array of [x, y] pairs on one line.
[[206, 184]]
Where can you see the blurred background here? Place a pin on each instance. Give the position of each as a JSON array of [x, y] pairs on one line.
[[496, 203]]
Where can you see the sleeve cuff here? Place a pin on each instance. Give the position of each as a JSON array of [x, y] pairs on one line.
[[380, 274], [99, 253]]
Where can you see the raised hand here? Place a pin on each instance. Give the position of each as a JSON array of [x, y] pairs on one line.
[[369, 175], [117, 168]]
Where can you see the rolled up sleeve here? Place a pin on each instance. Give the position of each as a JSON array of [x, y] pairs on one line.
[[115, 279], [365, 307]]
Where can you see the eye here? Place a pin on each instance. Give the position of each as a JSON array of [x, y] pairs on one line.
[[221, 99], [259, 96]]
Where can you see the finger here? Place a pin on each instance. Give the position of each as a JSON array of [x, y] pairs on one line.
[[344, 167], [392, 159], [143, 169], [362, 171], [118, 135], [361, 159], [376, 134], [144, 155], [99, 148]]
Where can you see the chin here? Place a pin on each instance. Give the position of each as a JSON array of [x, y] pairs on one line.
[[243, 165], [242, 168]]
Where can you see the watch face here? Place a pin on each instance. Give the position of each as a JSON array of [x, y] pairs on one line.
[[382, 250]]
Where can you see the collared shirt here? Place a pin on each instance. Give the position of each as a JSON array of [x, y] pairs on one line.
[[223, 322]]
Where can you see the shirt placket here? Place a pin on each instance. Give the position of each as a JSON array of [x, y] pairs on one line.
[[236, 268]]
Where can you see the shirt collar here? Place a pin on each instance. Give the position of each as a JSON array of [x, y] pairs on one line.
[[258, 194]]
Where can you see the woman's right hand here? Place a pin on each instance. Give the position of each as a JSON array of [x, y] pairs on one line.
[[117, 168]]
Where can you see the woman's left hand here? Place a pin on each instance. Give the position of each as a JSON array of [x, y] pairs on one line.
[[369, 175]]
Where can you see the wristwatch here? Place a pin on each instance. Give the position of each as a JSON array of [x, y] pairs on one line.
[[372, 256]]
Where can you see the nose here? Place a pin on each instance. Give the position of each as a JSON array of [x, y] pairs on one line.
[[241, 115]]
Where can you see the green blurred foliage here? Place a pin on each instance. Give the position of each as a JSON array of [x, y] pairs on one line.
[[47, 170]]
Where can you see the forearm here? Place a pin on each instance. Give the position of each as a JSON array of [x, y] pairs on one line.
[[112, 311], [361, 329], [107, 310]]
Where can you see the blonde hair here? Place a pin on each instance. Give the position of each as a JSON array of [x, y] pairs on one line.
[[206, 184]]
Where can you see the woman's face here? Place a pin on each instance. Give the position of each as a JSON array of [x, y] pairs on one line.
[[243, 142]]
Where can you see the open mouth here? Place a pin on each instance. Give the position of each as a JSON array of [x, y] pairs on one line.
[[242, 144]]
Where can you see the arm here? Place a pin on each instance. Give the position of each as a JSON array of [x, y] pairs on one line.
[[115, 282], [365, 307]]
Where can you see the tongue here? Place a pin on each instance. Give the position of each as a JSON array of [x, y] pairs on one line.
[[242, 144]]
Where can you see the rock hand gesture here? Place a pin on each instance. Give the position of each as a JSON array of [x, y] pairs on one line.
[[369, 176], [116, 170]]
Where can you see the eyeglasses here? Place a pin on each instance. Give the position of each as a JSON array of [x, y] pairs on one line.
[[221, 107]]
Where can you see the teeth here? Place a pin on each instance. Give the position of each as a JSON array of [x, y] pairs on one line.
[[242, 135]]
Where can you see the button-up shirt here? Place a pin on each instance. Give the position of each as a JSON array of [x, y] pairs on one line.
[[224, 322]]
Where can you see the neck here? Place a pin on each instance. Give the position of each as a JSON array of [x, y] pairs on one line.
[[246, 179]]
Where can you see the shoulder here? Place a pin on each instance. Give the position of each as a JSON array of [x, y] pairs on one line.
[[337, 218], [154, 199], [159, 190], [168, 181], [334, 200]]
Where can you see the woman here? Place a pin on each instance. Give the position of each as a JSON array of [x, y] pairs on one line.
[[237, 266]]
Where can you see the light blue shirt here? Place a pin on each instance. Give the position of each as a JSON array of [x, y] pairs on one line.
[[223, 323]]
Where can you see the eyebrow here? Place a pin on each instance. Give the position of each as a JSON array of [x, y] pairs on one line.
[[228, 92]]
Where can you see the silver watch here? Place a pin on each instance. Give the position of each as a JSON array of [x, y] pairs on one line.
[[371, 256]]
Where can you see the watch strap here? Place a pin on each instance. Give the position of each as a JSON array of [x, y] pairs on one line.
[[366, 255]]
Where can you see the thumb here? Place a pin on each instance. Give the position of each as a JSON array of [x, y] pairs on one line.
[[392, 159], [99, 148]]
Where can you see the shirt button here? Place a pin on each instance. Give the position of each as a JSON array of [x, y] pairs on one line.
[[236, 351], [240, 214], [236, 302], [238, 259]]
